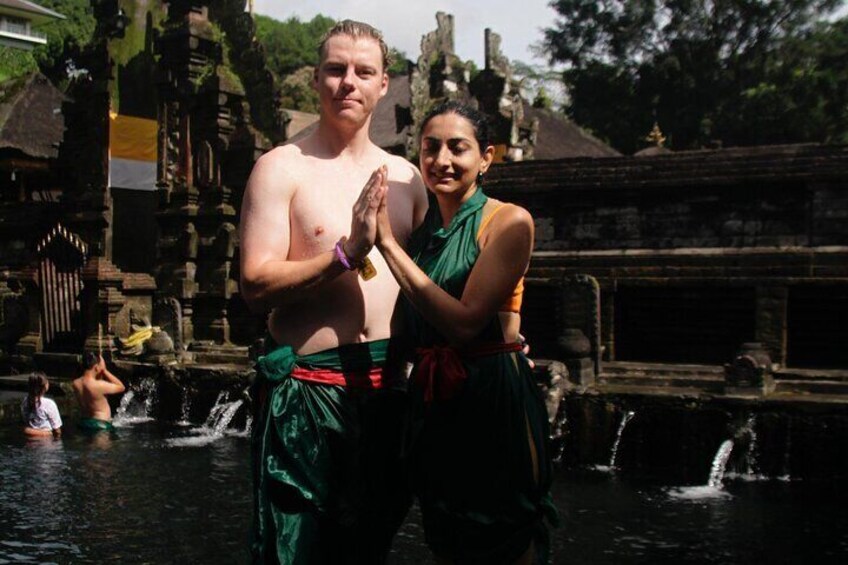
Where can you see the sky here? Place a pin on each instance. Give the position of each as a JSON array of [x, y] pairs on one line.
[[518, 22]]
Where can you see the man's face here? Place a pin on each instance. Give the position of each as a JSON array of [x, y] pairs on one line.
[[350, 78]]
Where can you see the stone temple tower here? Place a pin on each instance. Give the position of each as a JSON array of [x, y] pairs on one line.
[[207, 146]]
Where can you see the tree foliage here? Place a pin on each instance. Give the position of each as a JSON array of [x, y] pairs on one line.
[[735, 72], [296, 91], [291, 49], [291, 45], [65, 38], [15, 62], [540, 84]]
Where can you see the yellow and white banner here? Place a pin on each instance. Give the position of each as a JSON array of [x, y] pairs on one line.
[[132, 152]]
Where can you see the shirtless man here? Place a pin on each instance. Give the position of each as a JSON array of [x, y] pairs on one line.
[[91, 389], [329, 486]]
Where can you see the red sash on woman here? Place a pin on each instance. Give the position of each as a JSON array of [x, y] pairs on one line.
[[440, 371]]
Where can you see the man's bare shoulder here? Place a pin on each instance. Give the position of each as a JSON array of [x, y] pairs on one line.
[[275, 173], [280, 159], [400, 169]]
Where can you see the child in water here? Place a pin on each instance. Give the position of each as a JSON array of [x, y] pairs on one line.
[[40, 414]]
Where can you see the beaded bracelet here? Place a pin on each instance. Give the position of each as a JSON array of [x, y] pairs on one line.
[[365, 268], [342, 256]]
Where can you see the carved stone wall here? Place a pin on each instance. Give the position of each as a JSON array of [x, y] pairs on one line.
[[719, 241]]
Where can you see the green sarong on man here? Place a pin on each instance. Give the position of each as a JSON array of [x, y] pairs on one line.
[[94, 425], [329, 480]]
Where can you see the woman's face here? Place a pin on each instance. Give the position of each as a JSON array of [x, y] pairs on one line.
[[451, 158]]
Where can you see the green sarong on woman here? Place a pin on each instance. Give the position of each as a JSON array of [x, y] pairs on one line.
[[329, 486], [481, 463]]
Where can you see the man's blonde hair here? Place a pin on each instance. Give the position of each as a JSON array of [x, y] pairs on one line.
[[356, 30]]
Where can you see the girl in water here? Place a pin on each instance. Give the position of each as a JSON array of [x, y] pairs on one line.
[[40, 414]]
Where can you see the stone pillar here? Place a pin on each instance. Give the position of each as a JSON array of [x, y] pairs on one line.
[[102, 299], [608, 323], [579, 341], [31, 342], [770, 325]]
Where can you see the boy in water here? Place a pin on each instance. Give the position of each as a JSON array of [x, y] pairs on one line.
[[91, 389]]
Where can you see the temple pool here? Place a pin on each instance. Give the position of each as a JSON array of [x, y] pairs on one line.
[[165, 493]]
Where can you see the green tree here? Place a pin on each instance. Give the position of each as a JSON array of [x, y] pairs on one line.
[[399, 62], [736, 72], [64, 40], [15, 62], [291, 45], [540, 83], [291, 50], [296, 91]]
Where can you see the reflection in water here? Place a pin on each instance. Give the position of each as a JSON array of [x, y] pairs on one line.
[[132, 498]]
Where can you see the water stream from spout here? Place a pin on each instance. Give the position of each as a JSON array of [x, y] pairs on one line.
[[138, 403], [557, 436], [713, 489], [185, 408], [215, 426], [221, 414], [720, 464], [751, 454], [624, 420]]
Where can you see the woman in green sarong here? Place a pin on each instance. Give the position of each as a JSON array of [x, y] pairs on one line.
[[480, 458]]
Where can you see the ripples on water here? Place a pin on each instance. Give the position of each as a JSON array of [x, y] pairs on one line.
[[154, 493]]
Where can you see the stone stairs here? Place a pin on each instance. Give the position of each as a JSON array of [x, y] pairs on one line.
[[811, 381], [663, 379]]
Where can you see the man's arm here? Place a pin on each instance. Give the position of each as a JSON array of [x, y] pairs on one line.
[[268, 277], [108, 383]]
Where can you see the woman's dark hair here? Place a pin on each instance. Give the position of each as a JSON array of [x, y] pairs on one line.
[[36, 386], [89, 360], [474, 116]]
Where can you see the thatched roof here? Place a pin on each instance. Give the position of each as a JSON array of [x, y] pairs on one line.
[[31, 119], [559, 137]]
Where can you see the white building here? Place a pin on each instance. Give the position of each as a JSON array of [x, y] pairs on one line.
[[19, 20]]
